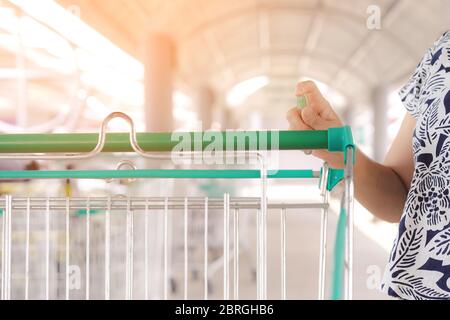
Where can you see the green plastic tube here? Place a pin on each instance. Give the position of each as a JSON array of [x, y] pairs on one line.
[[153, 173], [339, 258], [163, 142]]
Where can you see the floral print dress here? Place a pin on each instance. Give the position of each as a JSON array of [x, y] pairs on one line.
[[419, 264]]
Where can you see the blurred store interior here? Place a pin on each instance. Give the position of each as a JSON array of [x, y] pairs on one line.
[[209, 64]]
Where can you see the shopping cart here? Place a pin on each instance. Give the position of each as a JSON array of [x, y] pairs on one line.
[[118, 246]]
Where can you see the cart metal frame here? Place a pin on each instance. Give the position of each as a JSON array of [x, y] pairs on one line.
[[156, 146]]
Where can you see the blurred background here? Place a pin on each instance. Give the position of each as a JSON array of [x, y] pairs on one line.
[[210, 64]]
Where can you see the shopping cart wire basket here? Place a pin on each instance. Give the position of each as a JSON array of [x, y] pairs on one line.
[[19, 277]]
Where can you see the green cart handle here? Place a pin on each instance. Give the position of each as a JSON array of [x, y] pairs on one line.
[[333, 139]]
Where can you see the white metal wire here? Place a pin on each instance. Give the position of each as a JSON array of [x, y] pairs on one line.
[[27, 252], [283, 254], [186, 249], [226, 247], [6, 250], [236, 254], [205, 250], [146, 249], [88, 251], [323, 233], [47, 250], [67, 244], [348, 204], [108, 250], [129, 252], [166, 250]]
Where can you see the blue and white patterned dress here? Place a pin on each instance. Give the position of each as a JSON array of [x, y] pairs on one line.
[[419, 264]]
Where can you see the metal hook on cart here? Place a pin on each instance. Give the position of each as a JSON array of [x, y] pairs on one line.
[[97, 149], [133, 136], [46, 156], [100, 144], [120, 165]]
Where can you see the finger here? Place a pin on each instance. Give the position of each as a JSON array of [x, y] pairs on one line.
[[295, 120], [314, 98], [296, 123], [304, 87], [292, 113], [311, 118]]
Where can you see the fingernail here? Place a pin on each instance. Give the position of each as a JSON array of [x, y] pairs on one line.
[[307, 152], [302, 102]]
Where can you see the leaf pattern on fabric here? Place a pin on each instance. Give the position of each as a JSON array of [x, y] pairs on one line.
[[413, 286], [419, 263], [439, 246], [407, 249]]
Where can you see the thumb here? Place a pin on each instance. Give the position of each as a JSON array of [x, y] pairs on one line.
[[314, 120]]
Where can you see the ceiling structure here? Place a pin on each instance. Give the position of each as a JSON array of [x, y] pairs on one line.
[[222, 43], [327, 40]]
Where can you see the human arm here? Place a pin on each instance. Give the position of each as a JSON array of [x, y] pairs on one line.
[[380, 187]]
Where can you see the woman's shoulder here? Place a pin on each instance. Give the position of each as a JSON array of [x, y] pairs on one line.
[[435, 62], [442, 42], [435, 52], [446, 35]]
